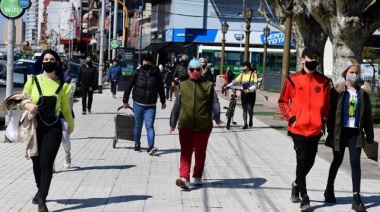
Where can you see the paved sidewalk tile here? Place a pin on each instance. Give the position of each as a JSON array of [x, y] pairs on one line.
[[246, 170]]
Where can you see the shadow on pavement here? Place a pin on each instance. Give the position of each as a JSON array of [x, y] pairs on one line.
[[94, 202], [368, 201], [236, 183], [86, 138], [77, 168]]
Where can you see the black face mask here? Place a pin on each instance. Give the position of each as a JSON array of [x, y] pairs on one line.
[[49, 67], [184, 63], [89, 63], [311, 65], [204, 66], [146, 67]]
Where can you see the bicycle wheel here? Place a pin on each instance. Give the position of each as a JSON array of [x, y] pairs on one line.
[[230, 113]]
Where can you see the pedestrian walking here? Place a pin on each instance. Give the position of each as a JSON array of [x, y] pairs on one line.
[[206, 72], [50, 97], [147, 84], [66, 143], [228, 77], [114, 75], [180, 73], [248, 82], [304, 103], [168, 83], [194, 112], [87, 83], [349, 125]]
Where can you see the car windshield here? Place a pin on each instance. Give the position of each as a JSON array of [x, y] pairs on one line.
[[28, 64]]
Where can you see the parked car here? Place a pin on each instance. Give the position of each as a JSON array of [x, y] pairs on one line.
[[28, 64], [19, 79]]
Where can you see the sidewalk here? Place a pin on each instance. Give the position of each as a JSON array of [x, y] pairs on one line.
[[248, 170]]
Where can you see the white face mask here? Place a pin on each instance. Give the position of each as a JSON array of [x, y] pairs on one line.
[[352, 78]]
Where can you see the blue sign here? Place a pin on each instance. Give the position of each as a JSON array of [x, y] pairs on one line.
[[194, 35], [275, 38], [239, 37], [24, 4]]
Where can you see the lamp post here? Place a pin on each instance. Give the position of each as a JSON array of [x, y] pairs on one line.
[[266, 31], [224, 31], [248, 16]]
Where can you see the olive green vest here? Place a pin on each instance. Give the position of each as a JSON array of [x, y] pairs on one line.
[[196, 105]]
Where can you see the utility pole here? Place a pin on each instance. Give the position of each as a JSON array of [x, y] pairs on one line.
[[141, 23], [101, 48], [10, 61], [114, 27]]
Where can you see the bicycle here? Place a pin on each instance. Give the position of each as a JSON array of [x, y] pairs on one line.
[[231, 107]]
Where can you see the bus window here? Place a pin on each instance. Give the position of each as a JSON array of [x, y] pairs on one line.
[[208, 56]]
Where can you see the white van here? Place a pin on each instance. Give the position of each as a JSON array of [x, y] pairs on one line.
[[36, 55]]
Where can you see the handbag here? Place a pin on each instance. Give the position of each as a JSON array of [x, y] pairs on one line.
[[12, 127]]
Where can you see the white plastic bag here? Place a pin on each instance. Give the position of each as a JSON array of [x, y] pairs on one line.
[[12, 127]]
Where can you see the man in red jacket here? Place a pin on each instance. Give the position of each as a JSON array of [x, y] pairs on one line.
[[304, 103]]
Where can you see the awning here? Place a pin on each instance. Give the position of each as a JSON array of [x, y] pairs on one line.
[[155, 46], [174, 47]]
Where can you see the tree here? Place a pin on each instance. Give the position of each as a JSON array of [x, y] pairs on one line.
[[348, 24]]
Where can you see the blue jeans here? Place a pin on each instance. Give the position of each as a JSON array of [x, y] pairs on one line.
[[147, 114]]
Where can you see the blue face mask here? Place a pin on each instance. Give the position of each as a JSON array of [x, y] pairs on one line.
[[352, 78]]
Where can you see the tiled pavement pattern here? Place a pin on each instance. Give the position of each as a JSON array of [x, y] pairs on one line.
[[248, 170]]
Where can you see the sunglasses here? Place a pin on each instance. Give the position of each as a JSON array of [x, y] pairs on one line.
[[195, 69]]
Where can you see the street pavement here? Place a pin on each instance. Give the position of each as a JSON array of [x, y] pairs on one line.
[[246, 170]]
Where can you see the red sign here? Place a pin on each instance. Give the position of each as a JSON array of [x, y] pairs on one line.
[[86, 40]]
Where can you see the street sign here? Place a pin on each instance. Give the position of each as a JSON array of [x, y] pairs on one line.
[[115, 44], [14, 9]]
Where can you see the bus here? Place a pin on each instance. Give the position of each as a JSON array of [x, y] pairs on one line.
[[234, 57]]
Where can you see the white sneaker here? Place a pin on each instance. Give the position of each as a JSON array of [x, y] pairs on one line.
[[67, 163], [182, 183], [198, 181], [152, 151]]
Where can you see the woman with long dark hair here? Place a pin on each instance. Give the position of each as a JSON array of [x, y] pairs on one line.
[[50, 97]]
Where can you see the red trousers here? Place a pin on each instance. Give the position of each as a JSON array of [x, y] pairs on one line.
[[192, 141]]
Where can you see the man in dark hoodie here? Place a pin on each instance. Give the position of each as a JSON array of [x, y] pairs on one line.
[[147, 84], [87, 83]]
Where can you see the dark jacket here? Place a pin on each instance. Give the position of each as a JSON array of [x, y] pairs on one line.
[[180, 73], [88, 77], [195, 106], [334, 121], [168, 78], [208, 75], [67, 76], [146, 87]]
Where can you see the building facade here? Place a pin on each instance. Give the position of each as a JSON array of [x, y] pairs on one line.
[[19, 32]]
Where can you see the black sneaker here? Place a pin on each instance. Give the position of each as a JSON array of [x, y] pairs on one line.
[[152, 150], [83, 112], [35, 198], [250, 123], [329, 194], [137, 147], [245, 127], [357, 204], [89, 111], [295, 195], [305, 203]]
